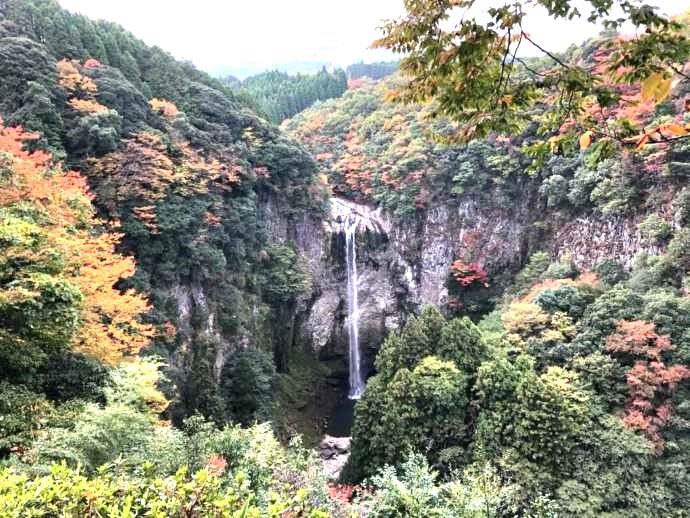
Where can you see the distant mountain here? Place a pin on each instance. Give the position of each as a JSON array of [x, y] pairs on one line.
[[292, 67]]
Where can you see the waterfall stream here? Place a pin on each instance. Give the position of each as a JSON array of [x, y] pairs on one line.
[[356, 380]]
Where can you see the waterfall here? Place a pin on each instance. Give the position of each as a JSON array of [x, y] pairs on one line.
[[356, 381]]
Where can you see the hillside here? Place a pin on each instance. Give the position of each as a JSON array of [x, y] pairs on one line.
[[181, 164], [281, 96]]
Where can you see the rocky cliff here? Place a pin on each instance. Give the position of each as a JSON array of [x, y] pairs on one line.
[[404, 264]]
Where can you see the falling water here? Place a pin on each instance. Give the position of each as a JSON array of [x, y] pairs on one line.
[[356, 381]]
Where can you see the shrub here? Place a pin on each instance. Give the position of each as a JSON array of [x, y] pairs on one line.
[[564, 269], [655, 229], [681, 204], [679, 249], [567, 299], [610, 271]]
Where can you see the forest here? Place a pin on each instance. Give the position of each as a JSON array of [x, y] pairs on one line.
[[193, 271]]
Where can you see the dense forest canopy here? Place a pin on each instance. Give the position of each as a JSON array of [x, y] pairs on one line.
[[281, 96], [164, 246]]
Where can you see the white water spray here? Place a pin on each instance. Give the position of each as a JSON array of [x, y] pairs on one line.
[[356, 381]]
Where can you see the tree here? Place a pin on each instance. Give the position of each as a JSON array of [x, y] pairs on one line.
[[419, 338], [246, 386], [57, 275], [651, 384], [474, 73], [419, 400], [422, 409]]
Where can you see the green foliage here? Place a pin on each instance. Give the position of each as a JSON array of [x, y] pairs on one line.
[[22, 415], [246, 386], [679, 249], [534, 270], [28, 89], [566, 299], [419, 400], [681, 205], [197, 385], [68, 492], [284, 276], [655, 229], [419, 338], [377, 70], [424, 408], [610, 271], [600, 319], [414, 493], [502, 93], [281, 96], [414, 490], [382, 152]]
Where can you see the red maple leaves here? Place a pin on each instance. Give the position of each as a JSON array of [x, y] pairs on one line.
[[651, 384]]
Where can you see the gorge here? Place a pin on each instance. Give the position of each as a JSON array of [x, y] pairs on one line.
[[412, 297]]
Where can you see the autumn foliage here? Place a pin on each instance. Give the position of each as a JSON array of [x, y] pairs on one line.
[[110, 325], [469, 274], [651, 384], [166, 108]]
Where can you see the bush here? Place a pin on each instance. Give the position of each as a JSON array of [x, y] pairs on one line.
[[284, 277], [67, 492], [555, 190], [681, 204], [655, 229], [567, 299], [564, 269], [414, 490], [610, 271], [679, 249]]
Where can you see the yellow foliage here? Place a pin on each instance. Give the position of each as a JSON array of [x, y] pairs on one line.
[[111, 326], [586, 139], [587, 278], [656, 87], [524, 319], [111, 329], [87, 106], [73, 82], [165, 108]]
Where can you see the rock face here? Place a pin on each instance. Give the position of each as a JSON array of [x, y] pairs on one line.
[[404, 265], [334, 453]]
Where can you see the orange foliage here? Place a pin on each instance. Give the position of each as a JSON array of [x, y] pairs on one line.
[[651, 384], [587, 278], [353, 166], [469, 274], [60, 194], [87, 106], [216, 464], [165, 108], [140, 170], [111, 329], [341, 492], [92, 63], [147, 215], [110, 319], [73, 82]]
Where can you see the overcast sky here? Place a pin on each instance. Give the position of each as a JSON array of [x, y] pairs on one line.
[[222, 36]]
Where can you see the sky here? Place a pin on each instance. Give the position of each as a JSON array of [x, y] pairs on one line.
[[242, 37]]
